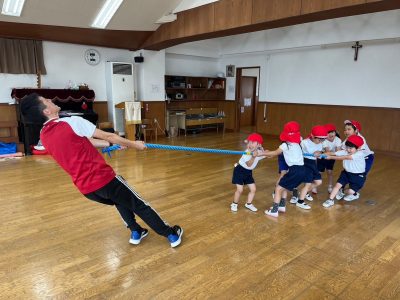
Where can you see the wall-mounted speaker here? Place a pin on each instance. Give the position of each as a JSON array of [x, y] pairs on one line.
[[139, 59]]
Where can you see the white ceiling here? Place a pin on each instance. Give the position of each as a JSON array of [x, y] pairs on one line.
[[131, 15]]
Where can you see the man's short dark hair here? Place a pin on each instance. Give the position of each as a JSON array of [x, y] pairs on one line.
[[32, 109]]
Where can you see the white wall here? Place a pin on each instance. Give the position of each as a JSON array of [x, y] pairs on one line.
[[294, 66], [187, 65], [241, 61], [66, 62], [349, 29], [150, 76], [9, 81], [307, 63], [331, 76], [194, 59]]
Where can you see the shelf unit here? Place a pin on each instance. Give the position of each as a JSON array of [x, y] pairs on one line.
[[194, 88]]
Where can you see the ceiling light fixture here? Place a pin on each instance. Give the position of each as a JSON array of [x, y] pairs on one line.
[[106, 13], [12, 7]]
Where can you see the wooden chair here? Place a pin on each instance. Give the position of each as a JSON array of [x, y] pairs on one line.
[[9, 134], [107, 126], [103, 125], [148, 127]]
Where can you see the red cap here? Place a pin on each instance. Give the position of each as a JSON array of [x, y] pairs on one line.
[[330, 127], [356, 124], [356, 140], [291, 133], [319, 131], [255, 137]]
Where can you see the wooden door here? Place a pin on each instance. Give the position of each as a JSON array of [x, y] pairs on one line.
[[247, 100]]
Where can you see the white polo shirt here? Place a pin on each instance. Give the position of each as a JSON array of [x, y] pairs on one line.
[[246, 157], [332, 146], [292, 153], [308, 146], [354, 165]]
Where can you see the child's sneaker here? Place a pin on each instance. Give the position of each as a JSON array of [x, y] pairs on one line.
[[270, 213], [314, 191], [137, 236], [251, 207], [303, 205], [330, 188], [293, 200], [339, 195], [328, 203], [309, 197], [234, 207], [351, 197], [175, 238], [282, 209]]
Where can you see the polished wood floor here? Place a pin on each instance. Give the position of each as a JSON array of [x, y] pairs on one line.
[[56, 244]]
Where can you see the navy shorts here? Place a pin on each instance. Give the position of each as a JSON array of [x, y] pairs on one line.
[[282, 165], [325, 164], [242, 176], [312, 172], [355, 181], [369, 160], [293, 178]]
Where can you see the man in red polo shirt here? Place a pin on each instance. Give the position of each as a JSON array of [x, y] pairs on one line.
[[70, 142]]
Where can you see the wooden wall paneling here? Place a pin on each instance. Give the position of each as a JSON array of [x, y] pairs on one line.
[[269, 10], [230, 114], [101, 108], [8, 112], [200, 20], [394, 137], [164, 31], [155, 38], [312, 6], [232, 13], [177, 28], [155, 109], [123, 39], [379, 125], [236, 17]]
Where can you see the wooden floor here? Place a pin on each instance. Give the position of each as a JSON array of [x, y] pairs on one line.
[[56, 244]]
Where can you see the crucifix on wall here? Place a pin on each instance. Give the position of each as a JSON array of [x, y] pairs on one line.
[[356, 46]]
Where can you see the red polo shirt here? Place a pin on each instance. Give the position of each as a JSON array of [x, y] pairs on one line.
[[67, 142]]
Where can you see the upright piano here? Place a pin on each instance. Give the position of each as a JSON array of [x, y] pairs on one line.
[[71, 102]]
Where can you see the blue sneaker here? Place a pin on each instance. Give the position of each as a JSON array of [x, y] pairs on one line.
[[176, 238], [137, 236]]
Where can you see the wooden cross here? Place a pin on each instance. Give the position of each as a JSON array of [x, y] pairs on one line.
[[356, 47]]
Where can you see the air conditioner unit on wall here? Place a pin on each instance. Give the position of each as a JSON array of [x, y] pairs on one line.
[[120, 88]]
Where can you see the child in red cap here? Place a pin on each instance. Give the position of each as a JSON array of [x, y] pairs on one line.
[[353, 127], [331, 144], [311, 145], [293, 155], [354, 170], [243, 172]]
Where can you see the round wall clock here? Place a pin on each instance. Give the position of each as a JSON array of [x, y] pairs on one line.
[[92, 56]]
